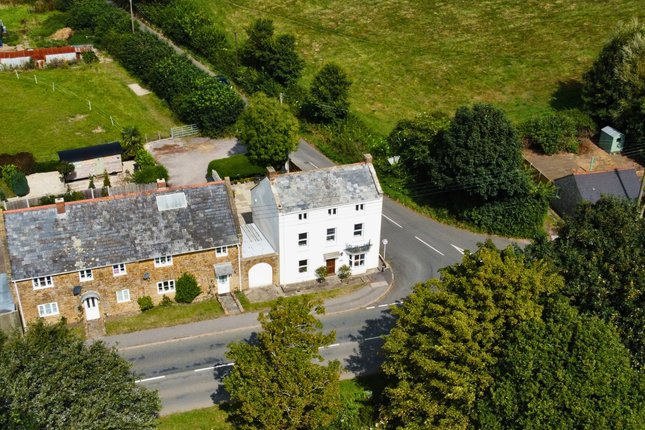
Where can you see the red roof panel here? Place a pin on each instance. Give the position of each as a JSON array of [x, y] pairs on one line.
[[38, 52]]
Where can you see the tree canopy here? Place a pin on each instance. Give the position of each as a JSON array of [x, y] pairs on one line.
[[268, 130], [276, 380], [565, 372], [131, 142], [50, 379], [450, 332], [600, 254], [328, 94], [614, 88]]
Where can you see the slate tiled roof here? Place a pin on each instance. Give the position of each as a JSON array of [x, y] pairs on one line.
[[332, 186], [121, 229], [621, 183]]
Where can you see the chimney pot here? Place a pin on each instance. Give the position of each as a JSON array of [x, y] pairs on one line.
[[271, 173], [367, 158], [161, 184], [60, 205]]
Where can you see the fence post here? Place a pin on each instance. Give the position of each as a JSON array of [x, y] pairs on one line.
[[90, 104], [36, 78], [53, 86], [17, 76], [109, 191]]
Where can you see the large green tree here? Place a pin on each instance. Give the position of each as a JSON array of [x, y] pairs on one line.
[[614, 88], [328, 94], [600, 254], [49, 379], [268, 130], [277, 381], [450, 332]]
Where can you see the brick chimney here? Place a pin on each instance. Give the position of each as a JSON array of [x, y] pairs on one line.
[[60, 205], [161, 184], [271, 173], [367, 158]]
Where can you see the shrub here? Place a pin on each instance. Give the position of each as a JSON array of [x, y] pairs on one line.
[[3, 196], [145, 303], [186, 288], [344, 271], [89, 57], [235, 167], [165, 301], [585, 125], [144, 158], [106, 179], [553, 133], [150, 174], [19, 184], [65, 168], [322, 273], [7, 172], [24, 161], [91, 186]]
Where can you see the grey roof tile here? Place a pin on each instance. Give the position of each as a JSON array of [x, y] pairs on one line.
[[104, 232], [621, 183]]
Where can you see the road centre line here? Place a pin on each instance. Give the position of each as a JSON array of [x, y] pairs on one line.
[[149, 379], [372, 338], [370, 307], [334, 344], [382, 306], [214, 367], [434, 249], [391, 220]]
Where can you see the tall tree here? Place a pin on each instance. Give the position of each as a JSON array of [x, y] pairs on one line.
[[50, 379], [449, 334], [276, 381], [480, 155], [328, 94], [567, 371], [600, 254], [614, 88], [268, 130]]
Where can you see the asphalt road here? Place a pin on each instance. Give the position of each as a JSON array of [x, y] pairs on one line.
[[188, 373]]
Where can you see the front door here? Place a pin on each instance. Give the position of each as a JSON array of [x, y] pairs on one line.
[[92, 308], [223, 284], [331, 266]]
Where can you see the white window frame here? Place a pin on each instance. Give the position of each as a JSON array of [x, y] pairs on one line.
[[331, 237], [302, 266], [332, 211], [43, 308], [302, 216], [163, 261], [221, 251], [38, 282], [86, 275], [356, 260], [358, 232], [303, 242], [161, 288], [119, 269], [123, 298], [360, 207]]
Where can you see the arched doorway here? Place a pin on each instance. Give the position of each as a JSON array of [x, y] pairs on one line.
[[260, 275], [91, 304]]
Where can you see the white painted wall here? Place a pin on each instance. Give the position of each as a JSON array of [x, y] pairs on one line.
[[70, 56], [12, 63], [265, 212], [316, 225]]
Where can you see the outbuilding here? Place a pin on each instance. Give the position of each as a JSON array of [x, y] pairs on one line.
[[93, 160]]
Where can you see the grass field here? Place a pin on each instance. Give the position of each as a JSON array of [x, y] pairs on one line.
[[406, 57], [42, 120]]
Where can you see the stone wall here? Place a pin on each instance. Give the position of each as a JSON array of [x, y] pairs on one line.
[[10, 321], [106, 284], [247, 263]]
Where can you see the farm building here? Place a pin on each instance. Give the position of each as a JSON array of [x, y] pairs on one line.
[[590, 186], [41, 57], [93, 160]]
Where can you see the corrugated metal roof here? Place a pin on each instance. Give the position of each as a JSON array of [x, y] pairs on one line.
[[611, 131], [38, 52]]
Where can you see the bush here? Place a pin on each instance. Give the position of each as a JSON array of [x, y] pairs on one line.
[[74, 196], [8, 172], [3, 196], [89, 57], [322, 273], [24, 161], [144, 158], [186, 288], [235, 167], [65, 168], [553, 133], [344, 271], [106, 179], [19, 184], [145, 303], [150, 174], [165, 301]]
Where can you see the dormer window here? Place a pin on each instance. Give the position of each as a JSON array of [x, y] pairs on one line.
[[302, 216]]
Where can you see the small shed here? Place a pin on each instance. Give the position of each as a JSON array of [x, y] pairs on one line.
[[93, 160], [590, 186], [611, 140]]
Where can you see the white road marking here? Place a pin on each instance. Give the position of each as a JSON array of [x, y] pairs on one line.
[[372, 338], [382, 306], [391, 220], [149, 379], [214, 367], [371, 307], [434, 249], [458, 249], [334, 344], [315, 167]]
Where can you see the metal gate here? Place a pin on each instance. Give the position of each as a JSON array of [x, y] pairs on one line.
[[186, 130]]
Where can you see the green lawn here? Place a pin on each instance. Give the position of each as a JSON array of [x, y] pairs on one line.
[[422, 55], [159, 316], [235, 167], [43, 120]]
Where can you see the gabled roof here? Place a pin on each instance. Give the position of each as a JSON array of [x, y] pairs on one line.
[[40, 52], [120, 229], [90, 152], [620, 183], [332, 186]]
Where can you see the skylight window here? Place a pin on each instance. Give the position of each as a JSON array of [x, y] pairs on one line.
[[171, 201]]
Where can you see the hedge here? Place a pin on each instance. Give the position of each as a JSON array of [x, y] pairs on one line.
[[235, 167], [150, 174]]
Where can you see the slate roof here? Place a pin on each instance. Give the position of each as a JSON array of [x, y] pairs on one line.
[[120, 229], [620, 183], [90, 152], [333, 186]]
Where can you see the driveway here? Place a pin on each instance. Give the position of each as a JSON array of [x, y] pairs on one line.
[[187, 159]]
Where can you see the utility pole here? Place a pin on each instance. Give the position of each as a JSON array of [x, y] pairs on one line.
[[131, 16], [237, 63]]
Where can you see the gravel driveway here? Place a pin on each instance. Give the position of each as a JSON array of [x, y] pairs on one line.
[[187, 159]]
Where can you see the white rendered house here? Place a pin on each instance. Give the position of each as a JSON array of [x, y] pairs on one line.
[[326, 217]]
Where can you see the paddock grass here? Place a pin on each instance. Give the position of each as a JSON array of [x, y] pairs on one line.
[[526, 57], [42, 119]]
